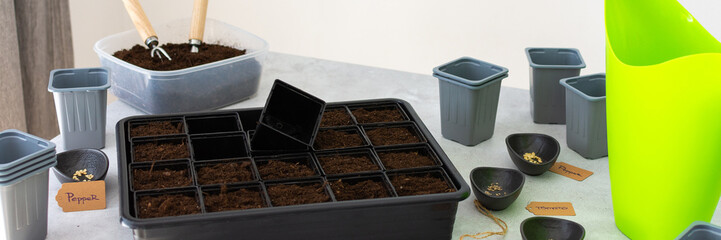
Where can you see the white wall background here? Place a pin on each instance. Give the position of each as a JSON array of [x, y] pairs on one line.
[[407, 35]]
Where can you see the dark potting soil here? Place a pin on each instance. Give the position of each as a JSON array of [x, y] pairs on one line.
[[329, 139], [180, 53], [159, 151], [400, 160], [335, 164], [336, 117], [377, 115], [160, 178], [167, 205], [233, 200], [391, 136], [406, 185], [280, 169], [293, 194], [225, 173], [361, 190], [156, 128]]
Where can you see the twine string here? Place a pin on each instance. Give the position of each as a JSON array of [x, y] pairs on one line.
[[488, 213]]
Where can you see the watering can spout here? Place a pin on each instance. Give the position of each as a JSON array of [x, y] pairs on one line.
[[663, 102], [647, 32]]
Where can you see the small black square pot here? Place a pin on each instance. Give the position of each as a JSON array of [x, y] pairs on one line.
[[367, 154], [255, 189], [304, 159], [292, 112], [191, 192], [214, 124], [336, 187], [219, 146]]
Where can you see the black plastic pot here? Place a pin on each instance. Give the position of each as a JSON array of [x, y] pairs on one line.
[[291, 112], [429, 216]]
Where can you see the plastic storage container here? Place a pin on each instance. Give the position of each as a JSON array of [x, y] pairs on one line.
[[469, 91], [586, 115], [700, 230], [429, 216], [205, 87], [547, 67], [25, 160], [80, 103]]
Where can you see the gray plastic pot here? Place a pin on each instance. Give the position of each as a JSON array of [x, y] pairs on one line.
[[80, 103], [700, 230], [469, 91], [23, 187], [586, 115], [547, 67]]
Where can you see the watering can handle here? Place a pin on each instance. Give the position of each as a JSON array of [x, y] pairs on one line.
[[197, 25], [140, 20]]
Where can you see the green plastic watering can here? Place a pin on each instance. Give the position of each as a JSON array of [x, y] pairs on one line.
[[663, 87]]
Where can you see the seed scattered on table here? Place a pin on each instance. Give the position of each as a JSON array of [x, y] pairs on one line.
[[532, 158]]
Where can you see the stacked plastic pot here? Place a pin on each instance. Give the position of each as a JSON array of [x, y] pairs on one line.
[[24, 163], [469, 91]]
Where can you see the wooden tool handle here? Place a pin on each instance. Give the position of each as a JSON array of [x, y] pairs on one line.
[[139, 19], [197, 25]]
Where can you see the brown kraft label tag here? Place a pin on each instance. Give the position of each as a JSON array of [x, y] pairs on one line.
[[551, 208], [570, 171], [81, 196]]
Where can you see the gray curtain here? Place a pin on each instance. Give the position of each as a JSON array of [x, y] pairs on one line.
[[35, 38]]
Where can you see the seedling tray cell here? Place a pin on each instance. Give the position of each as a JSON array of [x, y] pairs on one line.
[[252, 207]]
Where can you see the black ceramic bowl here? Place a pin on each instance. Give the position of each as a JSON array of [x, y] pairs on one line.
[[510, 180], [544, 228], [546, 147], [94, 160]]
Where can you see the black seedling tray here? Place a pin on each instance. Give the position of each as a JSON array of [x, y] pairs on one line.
[[225, 136]]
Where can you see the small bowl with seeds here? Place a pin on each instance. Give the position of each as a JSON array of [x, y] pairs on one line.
[[496, 188], [533, 153], [81, 165]]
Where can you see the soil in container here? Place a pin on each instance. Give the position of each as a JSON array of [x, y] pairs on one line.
[[391, 136], [274, 169], [153, 151], [160, 177], [365, 189], [295, 194], [330, 139], [407, 185], [407, 159], [167, 205], [335, 117], [157, 128], [180, 53], [225, 173], [363, 115], [338, 163], [244, 198]]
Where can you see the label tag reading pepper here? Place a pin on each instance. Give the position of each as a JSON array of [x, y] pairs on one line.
[[81, 196], [570, 171]]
